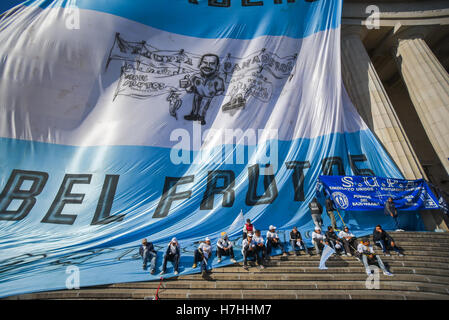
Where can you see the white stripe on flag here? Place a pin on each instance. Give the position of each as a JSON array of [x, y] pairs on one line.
[[327, 252], [237, 224]]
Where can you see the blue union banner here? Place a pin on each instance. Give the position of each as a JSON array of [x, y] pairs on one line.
[[371, 193]]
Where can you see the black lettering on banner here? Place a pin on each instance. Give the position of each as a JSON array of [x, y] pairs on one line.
[[193, 1], [358, 171], [102, 213], [227, 190], [298, 168], [250, 3], [18, 262], [220, 3], [80, 257], [12, 191], [328, 166], [271, 191], [65, 196], [290, 1], [169, 194]]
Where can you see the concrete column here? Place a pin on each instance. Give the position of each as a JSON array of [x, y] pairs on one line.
[[427, 84], [371, 100]]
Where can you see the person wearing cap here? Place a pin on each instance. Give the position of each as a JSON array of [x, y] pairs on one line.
[[316, 210], [224, 248], [260, 245], [249, 250], [366, 252], [172, 254], [297, 242], [273, 241], [333, 241], [318, 240], [203, 253], [348, 240], [147, 252], [248, 227]]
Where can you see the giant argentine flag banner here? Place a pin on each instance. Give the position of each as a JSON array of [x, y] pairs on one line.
[[123, 120]]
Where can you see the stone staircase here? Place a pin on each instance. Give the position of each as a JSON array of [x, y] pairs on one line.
[[423, 273]]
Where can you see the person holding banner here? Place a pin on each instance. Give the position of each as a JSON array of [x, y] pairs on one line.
[[316, 210], [330, 208], [224, 248], [318, 240], [383, 240], [390, 209], [173, 254], [366, 251], [297, 242]]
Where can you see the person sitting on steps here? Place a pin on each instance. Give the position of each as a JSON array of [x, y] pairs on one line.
[[383, 240], [273, 241], [366, 252], [297, 242], [203, 253], [224, 248]]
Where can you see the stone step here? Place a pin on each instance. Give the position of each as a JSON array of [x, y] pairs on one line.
[[423, 273], [237, 290], [333, 262], [385, 284], [245, 294], [427, 253], [186, 283], [413, 247], [314, 269], [393, 257]]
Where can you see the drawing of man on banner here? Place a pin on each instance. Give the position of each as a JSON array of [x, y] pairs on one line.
[[205, 85]]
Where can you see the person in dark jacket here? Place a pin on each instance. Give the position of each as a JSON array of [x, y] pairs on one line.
[[173, 254], [383, 240], [390, 210], [316, 210], [330, 208], [147, 252], [296, 241], [333, 240]]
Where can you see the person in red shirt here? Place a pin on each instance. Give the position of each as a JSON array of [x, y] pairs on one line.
[[247, 228]]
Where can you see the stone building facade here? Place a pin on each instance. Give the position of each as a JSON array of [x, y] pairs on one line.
[[395, 62]]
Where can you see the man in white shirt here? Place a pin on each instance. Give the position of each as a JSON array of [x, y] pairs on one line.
[[366, 251], [249, 250], [348, 240], [318, 240], [273, 241], [260, 246], [224, 248], [203, 253]]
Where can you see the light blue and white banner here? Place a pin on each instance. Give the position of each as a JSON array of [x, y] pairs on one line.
[[123, 120]]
